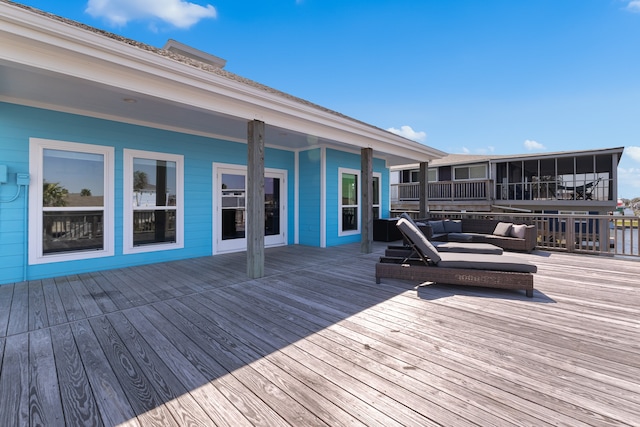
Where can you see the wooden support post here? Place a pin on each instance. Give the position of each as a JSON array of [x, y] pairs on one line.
[[424, 189], [366, 240], [255, 199]]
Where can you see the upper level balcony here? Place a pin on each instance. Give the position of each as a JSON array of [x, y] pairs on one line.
[[536, 195]]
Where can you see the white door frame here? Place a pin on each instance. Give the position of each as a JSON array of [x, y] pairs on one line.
[[240, 244]]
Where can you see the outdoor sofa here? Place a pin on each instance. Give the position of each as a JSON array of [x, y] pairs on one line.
[[430, 265], [460, 247], [507, 235]]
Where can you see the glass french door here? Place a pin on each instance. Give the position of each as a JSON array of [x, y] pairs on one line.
[[231, 220]]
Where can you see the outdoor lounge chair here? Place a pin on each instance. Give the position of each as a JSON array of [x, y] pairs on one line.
[[493, 271], [582, 192]]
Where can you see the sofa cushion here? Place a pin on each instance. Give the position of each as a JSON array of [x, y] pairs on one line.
[[453, 226], [419, 239], [459, 237], [502, 229], [518, 231], [437, 227]]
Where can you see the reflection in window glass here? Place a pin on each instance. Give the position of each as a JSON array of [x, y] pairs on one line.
[[72, 179], [376, 197], [349, 189], [233, 206], [154, 183], [271, 206], [349, 199], [72, 201], [154, 189]]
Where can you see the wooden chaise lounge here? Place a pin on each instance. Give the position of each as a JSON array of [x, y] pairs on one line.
[[486, 270]]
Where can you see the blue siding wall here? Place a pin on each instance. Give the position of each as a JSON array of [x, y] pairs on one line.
[[340, 159], [309, 206], [18, 124]]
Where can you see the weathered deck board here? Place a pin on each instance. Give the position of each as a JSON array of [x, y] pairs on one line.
[[78, 402], [56, 313], [37, 310], [45, 406], [19, 312], [14, 381], [318, 342], [6, 295]]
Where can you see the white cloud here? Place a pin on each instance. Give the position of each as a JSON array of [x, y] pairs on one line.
[[633, 152], [409, 133], [488, 150], [634, 6], [178, 13], [532, 145]]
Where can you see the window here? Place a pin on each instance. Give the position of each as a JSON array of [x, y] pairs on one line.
[[414, 175], [70, 201], [376, 195], [349, 187], [470, 172], [153, 206]]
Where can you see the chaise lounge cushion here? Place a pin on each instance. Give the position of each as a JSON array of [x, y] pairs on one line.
[[419, 239], [485, 262]]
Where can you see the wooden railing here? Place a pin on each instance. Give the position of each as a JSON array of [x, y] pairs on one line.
[[443, 190], [591, 234], [484, 190]]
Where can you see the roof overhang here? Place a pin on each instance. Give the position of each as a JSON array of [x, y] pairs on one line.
[[49, 62]]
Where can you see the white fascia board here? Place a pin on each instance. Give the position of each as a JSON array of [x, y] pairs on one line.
[[54, 46]]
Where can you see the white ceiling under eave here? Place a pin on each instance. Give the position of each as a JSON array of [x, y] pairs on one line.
[[54, 64]]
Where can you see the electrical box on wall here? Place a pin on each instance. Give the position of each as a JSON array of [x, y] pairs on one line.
[[3, 174], [23, 179]]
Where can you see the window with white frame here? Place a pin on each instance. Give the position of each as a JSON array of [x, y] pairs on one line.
[[349, 201], [70, 201], [470, 172], [153, 204]]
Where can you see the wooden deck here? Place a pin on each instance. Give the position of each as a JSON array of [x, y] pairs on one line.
[[317, 342]]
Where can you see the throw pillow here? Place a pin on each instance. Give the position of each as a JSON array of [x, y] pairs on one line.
[[437, 227], [518, 231], [414, 235], [502, 229], [454, 226]]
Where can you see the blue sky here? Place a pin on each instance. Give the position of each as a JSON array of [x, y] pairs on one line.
[[481, 76]]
